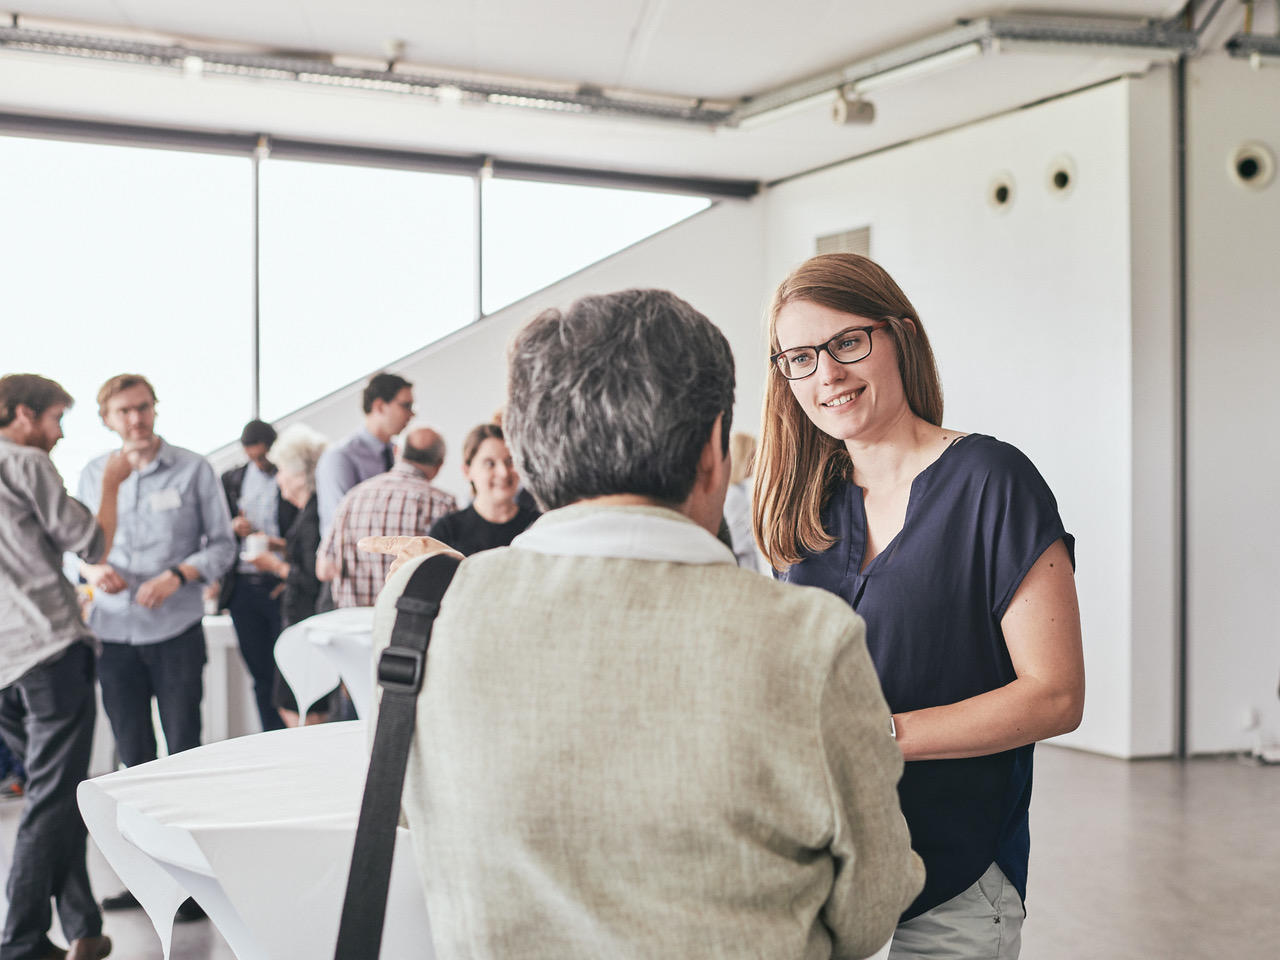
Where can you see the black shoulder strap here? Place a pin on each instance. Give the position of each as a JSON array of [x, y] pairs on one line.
[[400, 672]]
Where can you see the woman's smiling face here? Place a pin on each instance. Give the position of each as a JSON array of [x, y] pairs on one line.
[[847, 401], [492, 473]]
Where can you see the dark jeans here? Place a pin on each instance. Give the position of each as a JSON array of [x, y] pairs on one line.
[[9, 764], [256, 616], [46, 718], [172, 671]]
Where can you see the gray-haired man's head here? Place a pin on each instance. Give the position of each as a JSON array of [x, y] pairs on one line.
[[617, 395]]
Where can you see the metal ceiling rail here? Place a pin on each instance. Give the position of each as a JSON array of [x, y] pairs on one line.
[[1043, 33], [1254, 47], [398, 78]]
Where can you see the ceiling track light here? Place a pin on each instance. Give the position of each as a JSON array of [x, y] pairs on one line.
[[850, 108], [1258, 50]]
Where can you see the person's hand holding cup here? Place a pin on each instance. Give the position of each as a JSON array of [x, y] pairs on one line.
[[255, 544]]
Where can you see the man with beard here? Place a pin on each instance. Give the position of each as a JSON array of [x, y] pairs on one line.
[[47, 704]]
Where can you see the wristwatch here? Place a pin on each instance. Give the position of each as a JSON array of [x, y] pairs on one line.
[[182, 581], [893, 728]]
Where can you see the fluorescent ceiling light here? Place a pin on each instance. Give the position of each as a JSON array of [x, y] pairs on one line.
[[917, 68], [1132, 51], [785, 110]]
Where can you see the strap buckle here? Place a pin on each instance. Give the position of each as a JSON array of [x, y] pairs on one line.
[[400, 669], [422, 608]]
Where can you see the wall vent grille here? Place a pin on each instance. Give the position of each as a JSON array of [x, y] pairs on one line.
[[847, 241]]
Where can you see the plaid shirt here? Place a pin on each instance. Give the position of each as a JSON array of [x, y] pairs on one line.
[[398, 503]]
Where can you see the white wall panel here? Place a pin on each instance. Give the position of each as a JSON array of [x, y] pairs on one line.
[[1234, 405], [1153, 506]]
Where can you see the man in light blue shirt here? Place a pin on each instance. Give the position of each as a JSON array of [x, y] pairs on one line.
[[173, 534], [388, 408]]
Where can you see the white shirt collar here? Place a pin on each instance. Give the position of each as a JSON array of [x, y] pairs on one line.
[[631, 532]]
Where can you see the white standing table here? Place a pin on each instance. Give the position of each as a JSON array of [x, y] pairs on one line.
[[315, 653], [259, 831]]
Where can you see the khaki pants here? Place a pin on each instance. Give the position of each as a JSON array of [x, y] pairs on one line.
[[981, 923]]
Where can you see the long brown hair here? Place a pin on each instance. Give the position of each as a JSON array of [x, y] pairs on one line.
[[797, 465]]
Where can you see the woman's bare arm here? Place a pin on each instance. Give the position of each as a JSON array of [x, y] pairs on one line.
[[1042, 630]]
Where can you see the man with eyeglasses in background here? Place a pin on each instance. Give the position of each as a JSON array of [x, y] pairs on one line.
[[174, 536], [388, 408]]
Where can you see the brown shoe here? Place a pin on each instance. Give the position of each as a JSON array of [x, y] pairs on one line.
[[89, 948]]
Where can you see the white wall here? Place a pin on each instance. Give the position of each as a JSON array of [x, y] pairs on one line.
[[1153, 504], [1029, 313], [713, 260], [1234, 405]]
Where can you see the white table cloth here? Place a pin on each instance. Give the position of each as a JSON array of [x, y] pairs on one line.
[[315, 653], [259, 830], [228, 709]]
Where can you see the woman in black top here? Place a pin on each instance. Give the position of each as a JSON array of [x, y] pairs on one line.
[[494, 517], [295, 455], [950, 547]]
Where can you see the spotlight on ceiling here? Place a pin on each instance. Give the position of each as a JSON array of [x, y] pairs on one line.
[[849, 108]]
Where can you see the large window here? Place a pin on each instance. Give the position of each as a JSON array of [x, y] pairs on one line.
[[359, 266], [537, 233], [123, 259]]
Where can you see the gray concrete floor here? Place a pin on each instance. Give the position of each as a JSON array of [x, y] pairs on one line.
[[1146, 860], [1153, 859]]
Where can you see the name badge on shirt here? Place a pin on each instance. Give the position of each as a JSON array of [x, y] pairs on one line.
[[165, 500]]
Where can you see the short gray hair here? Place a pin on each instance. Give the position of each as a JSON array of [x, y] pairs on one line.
[[297, 450], [617, 395]]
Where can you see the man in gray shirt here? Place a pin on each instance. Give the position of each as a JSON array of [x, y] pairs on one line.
[[47, 704]]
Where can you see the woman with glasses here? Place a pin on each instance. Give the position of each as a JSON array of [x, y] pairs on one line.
[[495, 517], [951, 548]]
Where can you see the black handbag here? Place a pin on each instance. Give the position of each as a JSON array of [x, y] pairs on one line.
[[400, 674]]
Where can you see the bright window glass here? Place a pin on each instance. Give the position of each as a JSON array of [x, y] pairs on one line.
[[359, 267], [127, 259], [538, 233]]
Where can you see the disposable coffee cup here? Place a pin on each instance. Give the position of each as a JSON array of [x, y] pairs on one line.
[[255, 544]]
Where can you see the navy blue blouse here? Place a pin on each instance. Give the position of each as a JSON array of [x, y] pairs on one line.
[[977, 520]]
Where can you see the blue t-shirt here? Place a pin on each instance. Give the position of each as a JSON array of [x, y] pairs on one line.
[[978, 519]]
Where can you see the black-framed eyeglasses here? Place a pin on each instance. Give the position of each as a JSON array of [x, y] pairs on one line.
[[847, 346]]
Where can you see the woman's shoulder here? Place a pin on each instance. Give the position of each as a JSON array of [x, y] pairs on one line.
[[993, 468], [979, 452]]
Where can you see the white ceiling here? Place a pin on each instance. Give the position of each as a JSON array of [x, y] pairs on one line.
[[716, 49]]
